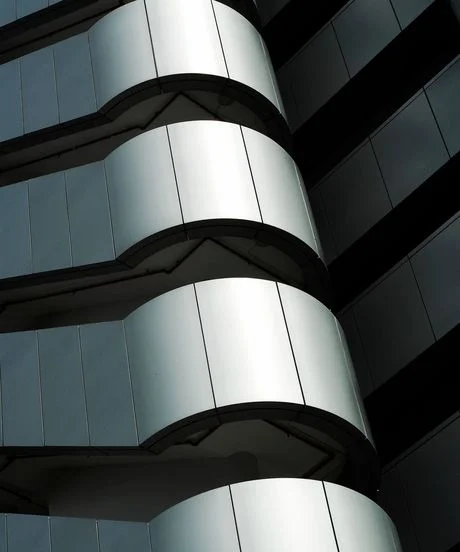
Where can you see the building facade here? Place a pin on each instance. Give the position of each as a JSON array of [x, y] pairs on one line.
[[199, 247]]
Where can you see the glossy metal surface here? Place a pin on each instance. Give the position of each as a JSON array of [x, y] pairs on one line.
[[196, 48], [213, 174], [359, 524], [168, 361], [142, 189], [320, 356], [247, 343], [10, 101], [121, 51]]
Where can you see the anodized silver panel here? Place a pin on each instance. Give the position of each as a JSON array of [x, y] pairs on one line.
[[121, 51], [15, 254], [320, 356], [409, 149], [359, 524], [167, 359], [61, 379], [73, 535], [108, 385], [26, 7], [245, 55], [283, 514], [11, 114], [116, 536], [204, 523], [20, 381], [212, 170], [363, 29], [74, 78], [278, 189], [437, 270], [89, 214], [39, 93], [49, 223], [354, 183], [185, 37], [26, 533], [248, 348], [142, 189], [7, 12]]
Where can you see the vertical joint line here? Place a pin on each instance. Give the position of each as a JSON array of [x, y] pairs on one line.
[[220, 38], [436, 122], [422, 299], [341, 50], [175, 175], [130, 381], [40, 385], [109, 207], [371, 143], [252, 174], [330, 516], [84, 386], [68, 217], [151, 39], [234, 517], [290, 343], [204, 345]]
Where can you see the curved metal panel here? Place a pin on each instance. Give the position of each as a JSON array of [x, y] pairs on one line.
[[320, 357], [246, 55], [11, 113], [202, 524], [359, 524], [142, 189], [282, 514], [121, 51], [283, 206], [25, 533], [185, 37], [248, 348], [168, 361], [213, 175], [73, 535], [120, 537]]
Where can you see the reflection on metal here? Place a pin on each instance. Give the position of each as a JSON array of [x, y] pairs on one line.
[[130, 72]]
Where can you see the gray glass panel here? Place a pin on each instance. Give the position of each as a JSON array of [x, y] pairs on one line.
[[116, 536], [10, 101], [437, 269], [168, 362], [212, 171], [73, 535], [393, 324], [443, 96], [108, 386], [142, 189], [20, 380], [408, 10], [249, 354], [206, 524], [26, 533], [312, 81], [283, 514], [64, 413], [89, 215], [409, 149], [15, 252], [278, 188], [359, 524], [39, 90], [25, 7], [7, 11], [74, 77], [431, 480], [185, 37], [354, 184], [319, 356], [49, 223], [245, 55], [364, 28], [121, 51], [269, 8]]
